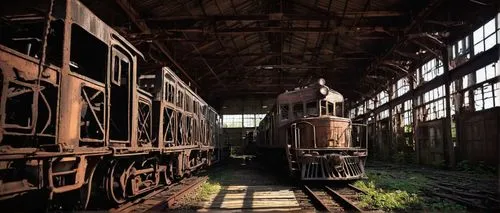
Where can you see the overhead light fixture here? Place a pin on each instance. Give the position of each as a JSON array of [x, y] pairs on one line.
[[264, 106], [268, 67]]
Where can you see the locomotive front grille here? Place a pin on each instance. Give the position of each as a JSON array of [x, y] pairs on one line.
[[331, 167]]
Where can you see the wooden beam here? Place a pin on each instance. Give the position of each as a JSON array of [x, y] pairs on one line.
[[242, 30], [285, 66], [347, 14], [273, 54], [278, 17]]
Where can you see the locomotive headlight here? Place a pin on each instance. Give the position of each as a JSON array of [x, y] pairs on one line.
[[321, 81], [323, 91]]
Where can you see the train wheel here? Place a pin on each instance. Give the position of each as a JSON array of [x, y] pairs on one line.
[[116, 184], [153, 178]]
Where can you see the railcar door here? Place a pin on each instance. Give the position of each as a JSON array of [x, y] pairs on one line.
[[120, 92]]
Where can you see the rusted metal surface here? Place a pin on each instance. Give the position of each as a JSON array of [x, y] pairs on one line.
[[316, 199], [330, 132], [73, 107]]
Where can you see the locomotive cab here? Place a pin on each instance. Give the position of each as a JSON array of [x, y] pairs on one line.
[[320, 143]]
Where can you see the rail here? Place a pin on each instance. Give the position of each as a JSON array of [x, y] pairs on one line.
[[329, 199], [162, 198], [348, 204]]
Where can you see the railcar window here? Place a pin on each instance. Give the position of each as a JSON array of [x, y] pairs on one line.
[[323, 107], [170, 93], [180, 98], [312, 108], [88, 54], [168, 123], [116, 71], [195, 108], [331, 110], [298, 110], [338, 109], [27, 38], [284, 111], [124, 70], [19, 34]]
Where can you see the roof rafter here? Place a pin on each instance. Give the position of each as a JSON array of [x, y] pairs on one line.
[[278, 17]]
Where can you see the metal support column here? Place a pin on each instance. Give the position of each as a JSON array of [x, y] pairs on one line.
[[449, 151]]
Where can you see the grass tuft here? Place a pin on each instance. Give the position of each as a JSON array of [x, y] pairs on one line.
[[207, 189]]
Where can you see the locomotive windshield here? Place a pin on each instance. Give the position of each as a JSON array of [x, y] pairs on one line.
[[315, 100], [313, 109]]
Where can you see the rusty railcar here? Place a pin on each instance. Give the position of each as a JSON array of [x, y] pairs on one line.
[[73, 119], [307, 133]]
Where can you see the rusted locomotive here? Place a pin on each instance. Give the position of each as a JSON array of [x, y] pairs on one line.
[[74, 118], [306, 131]]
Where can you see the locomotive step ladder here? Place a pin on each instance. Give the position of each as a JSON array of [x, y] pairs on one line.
[[292, 161], [293, 165]]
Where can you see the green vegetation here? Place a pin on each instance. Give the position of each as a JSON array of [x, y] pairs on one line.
[[386, 200], [207, 189], [402, 157], [476, 168], [397, 191], [212, 185]]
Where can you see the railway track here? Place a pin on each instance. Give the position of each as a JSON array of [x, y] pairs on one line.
[[335, 199], [161, 198]]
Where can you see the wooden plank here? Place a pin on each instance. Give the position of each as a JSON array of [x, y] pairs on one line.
[[263, 197]]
